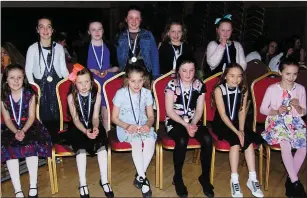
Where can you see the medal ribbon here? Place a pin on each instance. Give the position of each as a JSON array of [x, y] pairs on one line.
[[20, 107], [51, 63], [185, 108], [176, 56], [134, 46], [234, 102], [137, 121], [89, 108], [101, 58]]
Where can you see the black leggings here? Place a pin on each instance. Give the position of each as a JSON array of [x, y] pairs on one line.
[[181, 137]]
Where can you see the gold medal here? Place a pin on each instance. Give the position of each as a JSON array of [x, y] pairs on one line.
[[289, 108], [186, 119], [102, 73], [49, 79]]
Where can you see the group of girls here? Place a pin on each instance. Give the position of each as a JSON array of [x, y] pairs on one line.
[[25, 136]]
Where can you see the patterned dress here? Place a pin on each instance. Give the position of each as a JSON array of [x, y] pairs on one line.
[[37, 141], [122, 100], [285, 127], [198, 88]]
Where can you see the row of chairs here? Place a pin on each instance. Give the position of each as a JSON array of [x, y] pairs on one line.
[[110, 87]]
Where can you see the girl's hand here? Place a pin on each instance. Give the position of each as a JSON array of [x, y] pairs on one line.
[[89, 134], [294, 102], [95, 131], [223, 41], [132, 129], [144, 128], [95, 71], [190, 130], [241, 137], [20, 135], [282, 109]]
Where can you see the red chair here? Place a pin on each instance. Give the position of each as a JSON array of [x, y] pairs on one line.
[[165, 141], [209, 112], [258, 89], [58, 150]]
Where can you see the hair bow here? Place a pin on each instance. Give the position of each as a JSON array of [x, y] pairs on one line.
[[73, 75], [228, 16]]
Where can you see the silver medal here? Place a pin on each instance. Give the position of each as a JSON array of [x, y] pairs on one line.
[[134, 59], [49, 79]]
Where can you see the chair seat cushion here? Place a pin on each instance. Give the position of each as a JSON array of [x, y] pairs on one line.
[[115, 143], [59, 148], [275, 146]]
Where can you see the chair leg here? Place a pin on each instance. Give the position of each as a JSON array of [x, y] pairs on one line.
[[55, 177], [212, 165], [267, 171], [109, 165], [161, 166], [260, 164], [157, 165], [51, 175]]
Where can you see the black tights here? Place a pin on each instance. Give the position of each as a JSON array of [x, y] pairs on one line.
[[181, 137]]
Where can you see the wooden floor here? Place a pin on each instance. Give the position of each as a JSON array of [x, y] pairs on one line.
[[123, 174]]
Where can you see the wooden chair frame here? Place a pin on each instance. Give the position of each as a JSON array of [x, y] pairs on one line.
[[267, 147], [159, 145], [62, 154]]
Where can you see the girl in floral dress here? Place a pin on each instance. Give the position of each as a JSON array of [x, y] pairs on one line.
[[284, 103]]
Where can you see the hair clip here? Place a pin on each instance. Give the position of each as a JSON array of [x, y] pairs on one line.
[[217, 20], [73, 75]]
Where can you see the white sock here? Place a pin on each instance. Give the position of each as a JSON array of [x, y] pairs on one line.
[[81, 165], [252, 176], [148, 151], [137, 156], [13, 167], [235, 177], [102, 156], [32, 164]]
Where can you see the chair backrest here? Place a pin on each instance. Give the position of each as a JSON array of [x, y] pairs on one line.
[[302, 79], [254, 70], [110, 88], [258, 89], [209, 111], [62, 91], [158, 90]]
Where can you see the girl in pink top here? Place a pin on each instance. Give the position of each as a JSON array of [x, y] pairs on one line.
[[284, 103]]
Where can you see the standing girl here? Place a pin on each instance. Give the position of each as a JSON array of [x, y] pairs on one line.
[[86, 135], [223, 51], [137, 45], [23, 136], [45, 65], [173, 45], [133, 115], [284, 103], [97, 58], [230, 96]]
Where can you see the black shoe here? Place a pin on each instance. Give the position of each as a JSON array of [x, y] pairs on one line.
[[181, 189], [207, 187], [288, 186], [136, 182], [85, 195], [20, 192], [298, 189], [35, 196], [109, 194], [145, 181]]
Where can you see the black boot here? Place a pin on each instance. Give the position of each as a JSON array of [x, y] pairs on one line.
[[288, 186], [109, 194], [181, 189], [298, 189], [207, 187]]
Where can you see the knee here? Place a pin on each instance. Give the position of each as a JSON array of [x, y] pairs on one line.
[[207, 138]]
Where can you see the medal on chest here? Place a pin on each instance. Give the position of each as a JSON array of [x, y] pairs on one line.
[[49, 66], [134, 58], [86, 120], [231, 113], [18, 120], [185, 107]]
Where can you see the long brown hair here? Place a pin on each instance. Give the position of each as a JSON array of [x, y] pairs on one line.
[[166, 38], [74, 91], [242, 85], [15, 56]]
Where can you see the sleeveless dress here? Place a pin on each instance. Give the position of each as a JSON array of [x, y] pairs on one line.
[[37, 141], [285, 127], [77, 139], [224, 132]]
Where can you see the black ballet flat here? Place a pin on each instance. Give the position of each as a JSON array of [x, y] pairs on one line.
[[145, 181], [20, 192], [35, 196], [85, 195], [109, 194], [136, 182]]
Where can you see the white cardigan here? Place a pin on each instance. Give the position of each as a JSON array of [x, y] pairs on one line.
[[32, 63], [215, 54]]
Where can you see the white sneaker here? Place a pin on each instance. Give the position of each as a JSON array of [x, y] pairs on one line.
[[235, 189], [255, 188]]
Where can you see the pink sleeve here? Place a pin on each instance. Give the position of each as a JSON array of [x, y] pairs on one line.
[[302, 100], [265, 107]]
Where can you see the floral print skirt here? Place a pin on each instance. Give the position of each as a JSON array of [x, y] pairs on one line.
[[285, 127]]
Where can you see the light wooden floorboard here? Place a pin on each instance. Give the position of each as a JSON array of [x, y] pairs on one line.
[[123, 174]]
